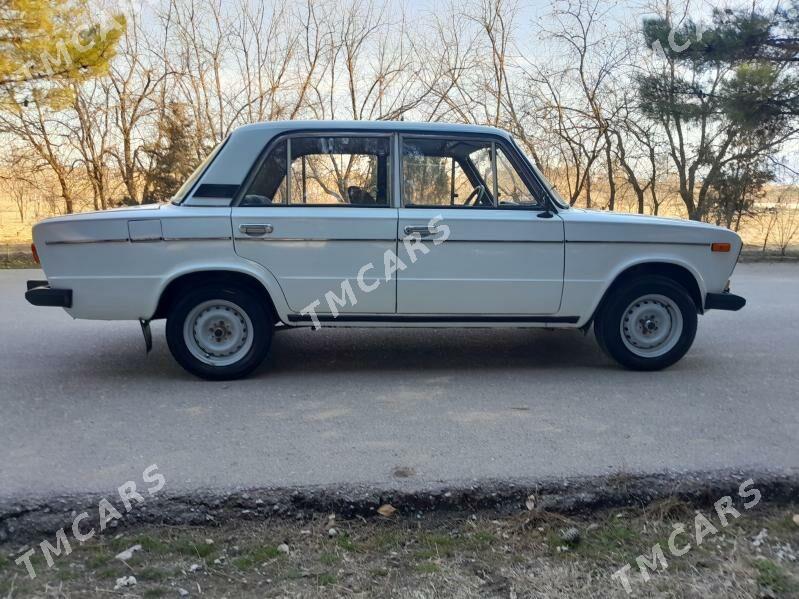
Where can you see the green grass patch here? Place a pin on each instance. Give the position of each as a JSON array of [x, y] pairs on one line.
[[66, 575], [346, 543], [293, 574], [256, 556], [149, 544], [329, 559], [438, 545], [384, 539], [481, 540], [614, 540], [152, 573], [97, 560], [326, 578], [190, 547], [773, 577], [427, 568], [781, 524], [113, 571]]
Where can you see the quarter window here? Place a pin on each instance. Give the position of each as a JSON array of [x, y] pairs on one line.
[[323, 171]]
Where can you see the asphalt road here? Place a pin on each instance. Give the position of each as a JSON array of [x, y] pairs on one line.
[[83, 409]]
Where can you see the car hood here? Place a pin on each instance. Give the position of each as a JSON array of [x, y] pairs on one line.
[[593, 225]]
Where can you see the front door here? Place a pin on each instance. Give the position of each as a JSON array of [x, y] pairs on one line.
[[317, 228], [502, 251]]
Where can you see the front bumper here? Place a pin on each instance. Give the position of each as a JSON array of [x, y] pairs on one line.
[[40, 293], [724, 301]]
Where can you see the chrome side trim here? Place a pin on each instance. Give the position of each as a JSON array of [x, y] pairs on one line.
[[703, 243], [228, 238], [306, 239], [84, 241], [81, 241], [319, 239], [499, 241], [309, 239]]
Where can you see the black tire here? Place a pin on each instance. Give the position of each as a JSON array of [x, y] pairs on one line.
[[253, 306], [599, 334], [608, 322]]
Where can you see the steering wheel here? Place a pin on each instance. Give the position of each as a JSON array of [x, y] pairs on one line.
[[474, 196]]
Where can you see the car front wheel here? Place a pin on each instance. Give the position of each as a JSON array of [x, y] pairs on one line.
[[219, 332], [647, 324]]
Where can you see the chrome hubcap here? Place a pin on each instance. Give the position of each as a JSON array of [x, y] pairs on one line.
[[651, 326], [218, 332]]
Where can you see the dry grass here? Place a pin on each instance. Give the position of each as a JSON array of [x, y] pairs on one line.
[[14, 230], [16, 256], [430, 555]]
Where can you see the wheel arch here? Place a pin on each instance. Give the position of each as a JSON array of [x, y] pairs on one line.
[[679, 272], [215, 275]]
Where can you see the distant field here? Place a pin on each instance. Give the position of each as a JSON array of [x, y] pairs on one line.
[[12, 228], [15, 233]]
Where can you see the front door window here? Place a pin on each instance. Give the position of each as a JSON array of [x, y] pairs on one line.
[[462, 173]]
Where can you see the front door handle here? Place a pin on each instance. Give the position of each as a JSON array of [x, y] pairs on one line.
[[423, 231], [256, 230]]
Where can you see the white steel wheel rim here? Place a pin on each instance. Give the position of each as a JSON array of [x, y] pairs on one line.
[[218, 332], [651, 326]]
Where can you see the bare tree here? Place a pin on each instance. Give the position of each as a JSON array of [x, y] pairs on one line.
[[42, 130], [132, 83], [89, 134], [785, 227]]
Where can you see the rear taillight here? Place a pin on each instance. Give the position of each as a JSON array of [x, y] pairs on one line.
[[35, 253]]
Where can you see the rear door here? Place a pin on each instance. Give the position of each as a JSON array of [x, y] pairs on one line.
[[503, 254], [318, 211]]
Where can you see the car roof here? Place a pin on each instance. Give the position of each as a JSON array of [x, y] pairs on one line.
[[374, 126]]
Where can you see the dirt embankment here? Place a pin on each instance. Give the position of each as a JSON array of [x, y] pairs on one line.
[[553, 538]]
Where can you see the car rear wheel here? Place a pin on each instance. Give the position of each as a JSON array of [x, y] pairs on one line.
[[219, 332], [647, 324]]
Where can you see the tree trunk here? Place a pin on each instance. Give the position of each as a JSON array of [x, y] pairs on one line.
[[588, 191], [129, 171], [68, 204], [611, 178], [639, 193]]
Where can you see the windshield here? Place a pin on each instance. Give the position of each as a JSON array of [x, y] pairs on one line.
[[559, 199], [181, 193], [554, 194]]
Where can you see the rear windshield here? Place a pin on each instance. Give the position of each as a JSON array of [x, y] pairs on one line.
[[187, 186]]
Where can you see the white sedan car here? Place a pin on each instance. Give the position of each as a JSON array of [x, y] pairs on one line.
[[309, 224]]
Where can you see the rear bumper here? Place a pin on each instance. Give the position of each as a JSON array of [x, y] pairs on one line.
[[724, 301], [40, 293]]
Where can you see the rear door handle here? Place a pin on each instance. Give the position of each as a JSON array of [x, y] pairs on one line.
[[256, 230], [423, 231]]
